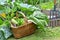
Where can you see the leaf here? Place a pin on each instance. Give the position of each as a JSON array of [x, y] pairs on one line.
[[1, 21], [40, 19], [14, 9], [6, 22], [2, 2], [2, 9], [6, 30], [40, 15], [25, 7], [7, 10], [2, 37]]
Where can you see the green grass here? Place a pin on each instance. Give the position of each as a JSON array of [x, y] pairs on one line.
[[48, 34]]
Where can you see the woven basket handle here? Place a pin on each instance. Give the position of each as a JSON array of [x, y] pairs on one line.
[[25, 18]]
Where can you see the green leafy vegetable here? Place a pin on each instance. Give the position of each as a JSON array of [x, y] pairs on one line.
[[39, 19], [18, 21], [6, 30], [25, 7], [12, 14], [2, 37], [6, 22], [1, 21]]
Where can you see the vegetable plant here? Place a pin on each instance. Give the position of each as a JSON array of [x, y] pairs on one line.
[[39, 19]]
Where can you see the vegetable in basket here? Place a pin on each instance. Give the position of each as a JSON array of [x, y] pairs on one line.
[[18, 21]]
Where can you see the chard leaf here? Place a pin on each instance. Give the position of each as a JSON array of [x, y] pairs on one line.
[[6, 30], [40, 19]]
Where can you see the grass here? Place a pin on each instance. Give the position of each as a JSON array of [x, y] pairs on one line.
[[48, 34]]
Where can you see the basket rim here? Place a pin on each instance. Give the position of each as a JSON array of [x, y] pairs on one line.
[[21, 25]]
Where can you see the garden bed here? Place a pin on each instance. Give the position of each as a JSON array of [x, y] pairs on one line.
[[20, 14]]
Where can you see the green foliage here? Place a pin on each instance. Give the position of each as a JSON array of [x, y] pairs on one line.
[[12, 14], [26, 7], [43, 4], [2, 9], [6, 22], [1, 21], [34, 2], [6, 30], [47, 5], [10, 6], [2, 2], [23, 5], [2, 35], [39, 19], [8, 17], [18, 21]]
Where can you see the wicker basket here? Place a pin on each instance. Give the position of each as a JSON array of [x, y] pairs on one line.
[[23, 30]]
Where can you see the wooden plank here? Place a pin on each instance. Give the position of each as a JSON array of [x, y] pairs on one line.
[[54, 19]]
